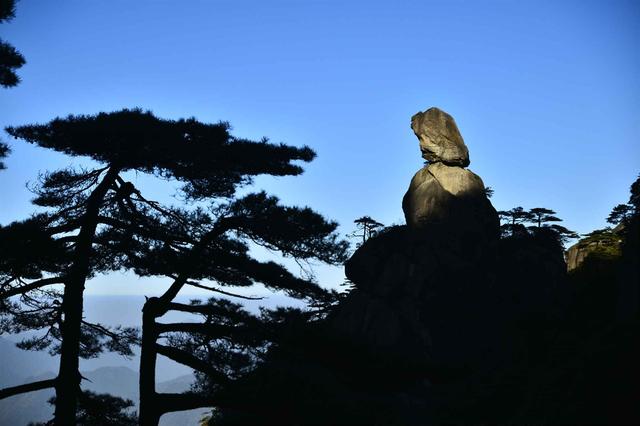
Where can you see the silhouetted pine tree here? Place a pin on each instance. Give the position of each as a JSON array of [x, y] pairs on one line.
[[620, 214], [366, 228], [540, 218], [10, 58], [514, 221], [96, 221], [230, 341]]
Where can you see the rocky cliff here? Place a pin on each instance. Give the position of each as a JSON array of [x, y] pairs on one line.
[[604, 243], [442, 320]]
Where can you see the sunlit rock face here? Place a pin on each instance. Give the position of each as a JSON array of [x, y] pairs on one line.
[[440, 139], [448, 197], [444, 196]]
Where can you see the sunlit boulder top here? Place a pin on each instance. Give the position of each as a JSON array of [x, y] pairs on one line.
[[440, 139]]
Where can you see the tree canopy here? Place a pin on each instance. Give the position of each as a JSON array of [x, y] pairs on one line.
[[541, 222], [620, 214], [204, 157]]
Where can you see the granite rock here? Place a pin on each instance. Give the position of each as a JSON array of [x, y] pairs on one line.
[[440, 139], [449, 200]]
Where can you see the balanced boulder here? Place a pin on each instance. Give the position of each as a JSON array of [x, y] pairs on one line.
[[419, 287], [440, 139], [443, 196]]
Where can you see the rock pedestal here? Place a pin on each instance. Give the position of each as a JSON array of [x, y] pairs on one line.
[[449, 200]]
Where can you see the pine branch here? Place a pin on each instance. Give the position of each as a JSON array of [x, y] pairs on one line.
[[217, 290], [189, 360], [28, 387], [31, 286], [215, 330], [222, 226], [194, 309]]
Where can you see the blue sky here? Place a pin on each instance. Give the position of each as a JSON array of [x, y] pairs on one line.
[[545, 93]]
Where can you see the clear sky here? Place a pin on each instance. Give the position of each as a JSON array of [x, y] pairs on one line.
[[545, 93]]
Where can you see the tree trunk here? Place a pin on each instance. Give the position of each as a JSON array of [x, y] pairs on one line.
[[149, 415], [68, 382], [155, 307]]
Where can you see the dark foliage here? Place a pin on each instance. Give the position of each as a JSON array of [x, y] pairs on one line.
[[101, 409], [313, 376], [540, 218], [28, 250], [36, 255], [366, 228], [620, 214], [204, 157], [230, 343], [97, 222], [541, 215], [4, 151], [7, 10], [577, 363], [10, 58]]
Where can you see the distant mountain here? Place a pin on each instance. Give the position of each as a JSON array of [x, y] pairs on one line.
[[21, 409], [110, 373], [119, 381], [17, 364]]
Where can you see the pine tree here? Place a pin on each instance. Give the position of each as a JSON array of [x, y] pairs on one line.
[[96, 222], [620, 214], [514, 221], [541, 216], [541, 225], [229, 341], [10, 58], [367, 228]]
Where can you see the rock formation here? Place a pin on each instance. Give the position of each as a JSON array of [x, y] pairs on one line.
[[443, 319], [604, 242], [440, 139], [419, 288], [444, 196]]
